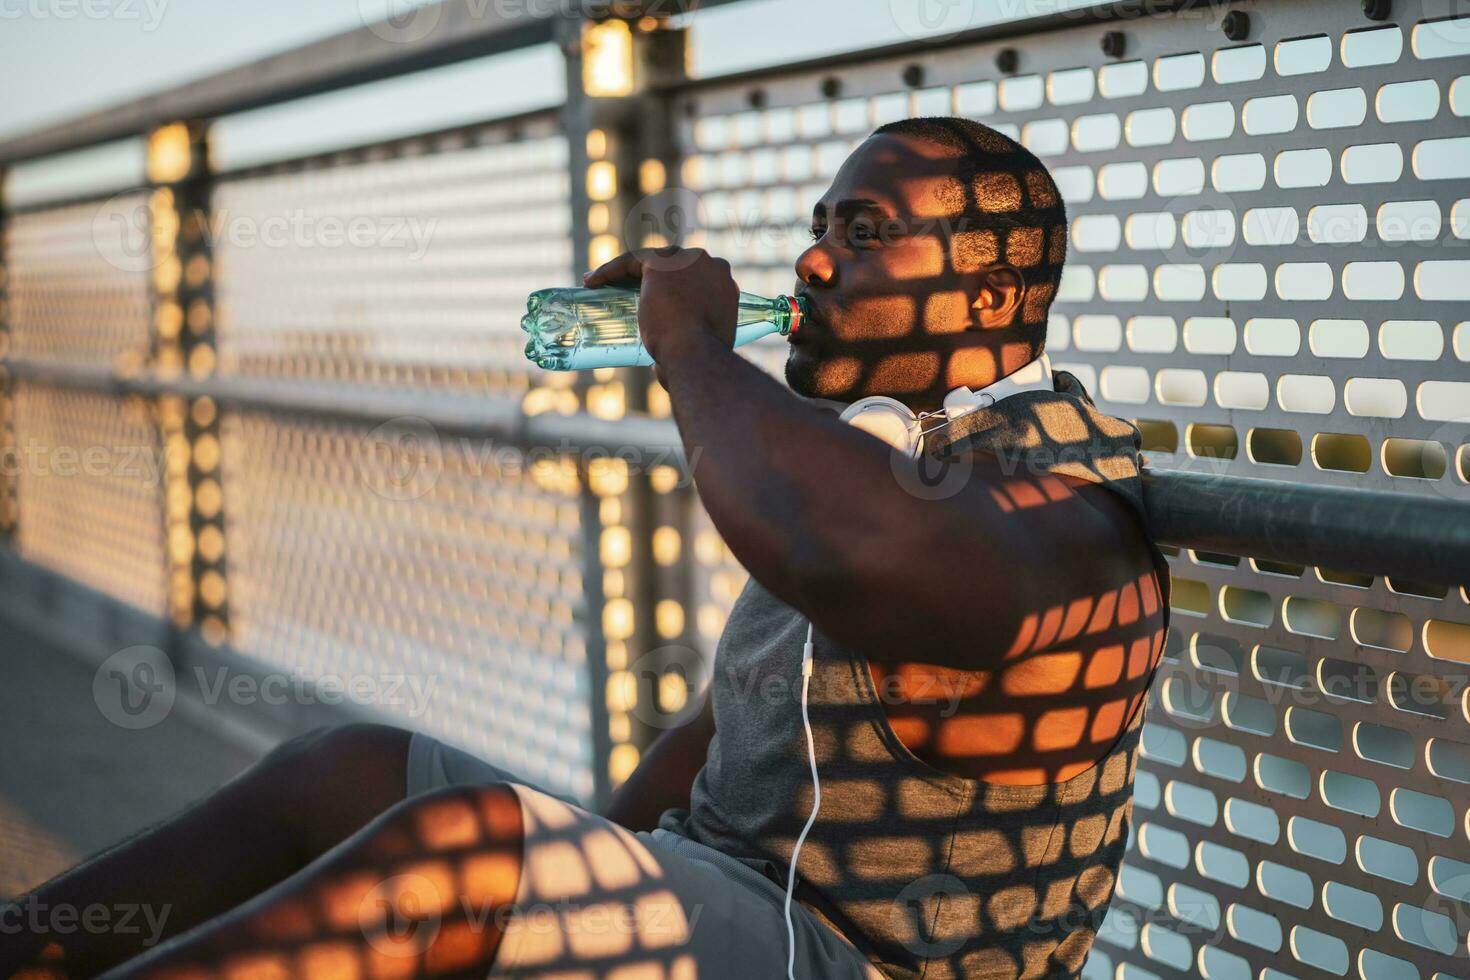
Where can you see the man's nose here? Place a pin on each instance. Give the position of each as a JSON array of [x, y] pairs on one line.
[[815, 267]]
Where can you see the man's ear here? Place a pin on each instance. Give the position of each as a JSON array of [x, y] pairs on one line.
[[1001, 291]]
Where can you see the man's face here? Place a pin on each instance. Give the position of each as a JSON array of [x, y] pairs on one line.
[[889, 305]]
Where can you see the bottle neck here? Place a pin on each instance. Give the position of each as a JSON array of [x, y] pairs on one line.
[[759, 316]]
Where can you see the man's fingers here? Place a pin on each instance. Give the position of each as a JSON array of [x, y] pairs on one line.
[[630, 265], [626, 266]]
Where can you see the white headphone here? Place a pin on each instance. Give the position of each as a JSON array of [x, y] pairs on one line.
[[896, 424]]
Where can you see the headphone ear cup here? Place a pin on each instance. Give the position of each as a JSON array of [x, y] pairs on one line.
[[887, 419]]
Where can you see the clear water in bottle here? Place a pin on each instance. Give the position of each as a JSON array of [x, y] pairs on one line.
[[573, 328]]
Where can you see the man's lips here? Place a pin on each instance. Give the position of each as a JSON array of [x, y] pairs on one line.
[[811, 324]]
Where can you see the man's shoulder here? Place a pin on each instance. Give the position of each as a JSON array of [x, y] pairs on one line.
[[1109, 526], [1112, 499]]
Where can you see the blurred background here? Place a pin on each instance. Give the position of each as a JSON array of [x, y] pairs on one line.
[[273, 456]]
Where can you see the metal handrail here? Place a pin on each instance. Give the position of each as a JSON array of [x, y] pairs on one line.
[[462, 30], [454, 415], [1371, 532]]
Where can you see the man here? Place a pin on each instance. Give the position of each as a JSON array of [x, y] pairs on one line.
[[984, 623]]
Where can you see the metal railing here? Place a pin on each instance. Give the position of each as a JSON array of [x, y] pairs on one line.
[[1262, 275]]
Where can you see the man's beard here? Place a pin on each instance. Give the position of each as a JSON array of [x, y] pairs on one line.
[[801, 372], [801, 378], [844, 372]]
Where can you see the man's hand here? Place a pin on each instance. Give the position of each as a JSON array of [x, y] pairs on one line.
[[687, 296]]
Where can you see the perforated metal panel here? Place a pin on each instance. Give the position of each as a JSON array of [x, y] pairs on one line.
[[717, 581], [89, 486], [1267, 272], [395, 557], [404, 264], [87, 468], [408, 264], [78, 282]]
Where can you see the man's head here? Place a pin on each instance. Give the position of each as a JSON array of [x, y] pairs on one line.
[[936, 253]]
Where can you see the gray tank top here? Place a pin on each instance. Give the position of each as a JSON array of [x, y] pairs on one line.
[[930, 874]]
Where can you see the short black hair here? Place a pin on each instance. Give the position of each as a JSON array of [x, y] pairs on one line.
[[1004, 205]]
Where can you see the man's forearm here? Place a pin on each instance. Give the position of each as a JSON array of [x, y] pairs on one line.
[[664, 776]]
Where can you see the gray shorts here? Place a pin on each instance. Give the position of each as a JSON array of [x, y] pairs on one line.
[[596, 900]]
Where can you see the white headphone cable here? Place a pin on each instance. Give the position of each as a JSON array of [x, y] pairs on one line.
[[806, 678]]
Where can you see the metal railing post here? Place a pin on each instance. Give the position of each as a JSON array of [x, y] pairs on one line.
[[610, 116], [9, 455], [183, 344], [666, 214]]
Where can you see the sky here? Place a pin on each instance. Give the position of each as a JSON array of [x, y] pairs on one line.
[[62, 58]]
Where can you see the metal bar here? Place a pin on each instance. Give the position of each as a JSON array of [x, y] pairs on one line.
[[433, 140], [98, 198], [430, 37], [184, 343], [1369, 531], [456, 30], [452, 415], [611, 67], [9, 463], [671, 673], [598, 517], [1019, 28], [594, 602]]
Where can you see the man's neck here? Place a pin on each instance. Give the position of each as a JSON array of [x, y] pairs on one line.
[[1011, 358]]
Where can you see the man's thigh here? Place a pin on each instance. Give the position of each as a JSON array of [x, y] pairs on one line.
[[594, 897]]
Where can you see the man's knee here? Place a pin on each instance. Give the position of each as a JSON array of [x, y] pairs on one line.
[[357, 754], [330, 781], [342, 747]]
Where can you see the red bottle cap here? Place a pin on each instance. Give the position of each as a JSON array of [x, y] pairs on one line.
[[796, 315]]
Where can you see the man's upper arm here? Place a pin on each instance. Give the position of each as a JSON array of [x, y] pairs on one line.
[[704, 722], [1004, 565], [665, 775]]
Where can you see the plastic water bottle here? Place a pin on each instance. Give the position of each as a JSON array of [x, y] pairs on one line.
[[573, 329]]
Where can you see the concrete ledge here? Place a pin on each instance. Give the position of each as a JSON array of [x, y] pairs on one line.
[[92, 626]]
